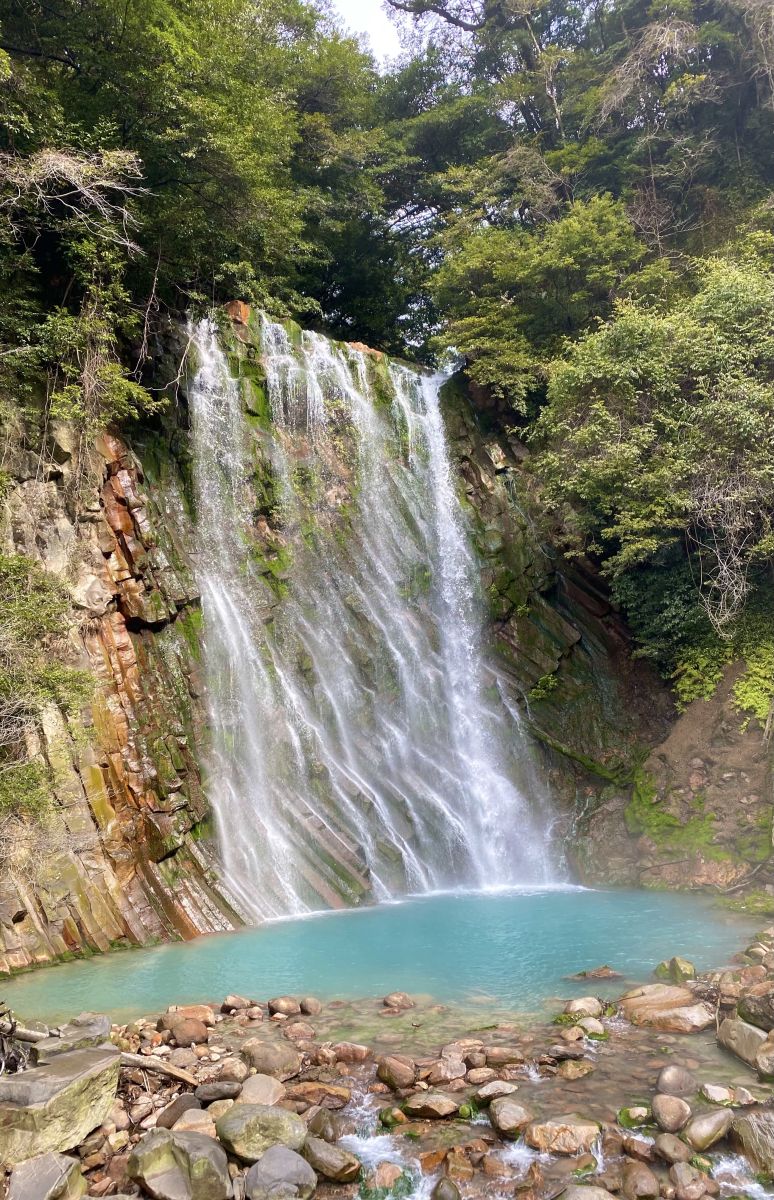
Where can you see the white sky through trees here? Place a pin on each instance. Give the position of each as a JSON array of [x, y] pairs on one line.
[[369, 17]]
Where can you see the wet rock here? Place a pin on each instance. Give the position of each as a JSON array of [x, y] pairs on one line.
[[233, 1004], [508, 1117], [54, 1107], [174, 1111], [493, 1090], [754, 1131], [716, 1094], [384, 1175], [677, 1081], [584, 1006], [756, 1006], [187, 1012], [592, 1027], [218, 1108], [666, 1007], [480, 1075], [330, 1161], [431, 1105], [446, 1189], [764, 1059], [397, 1071], [398, 1000], [672, 1149], [279, 1059], [570, 1134], [633, 1116], [446, 1069], [288, 1006], [47, 1177], [351, 1052], [248, 1130], [503, 1056], [220, 1089], [298, 1031], [670, 1113], [280, 1173], [571, 1069], [676, 970], [689, 1183], [261, 1089], [586, 1191], [638, 1146], [311, 1006], [705, 1130], [741, 1039], [638, 1182], [180, 1166]]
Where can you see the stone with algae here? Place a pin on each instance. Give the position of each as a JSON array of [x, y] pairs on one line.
[[180, 1166]]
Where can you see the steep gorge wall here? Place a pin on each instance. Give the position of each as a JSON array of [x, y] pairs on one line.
[[642, 796], [120, 857]]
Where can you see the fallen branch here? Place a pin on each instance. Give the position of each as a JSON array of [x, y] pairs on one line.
[[144, 1062]]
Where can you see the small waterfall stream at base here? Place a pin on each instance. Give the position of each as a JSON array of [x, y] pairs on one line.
[[358, 743]]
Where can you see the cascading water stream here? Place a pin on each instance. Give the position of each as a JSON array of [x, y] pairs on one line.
[[358, 741]]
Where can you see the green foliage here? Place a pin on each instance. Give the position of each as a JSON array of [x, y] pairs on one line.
[[544, 688], [511, 296]]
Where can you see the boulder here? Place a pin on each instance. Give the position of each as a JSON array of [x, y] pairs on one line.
[[85, 1031], [397, 1071], [493, 1090], [754, 1131], [666, 1007], [716, 1094], [677, 1081], [384, 1175], [47, 1177], [563, 1135], [586, 1191], [186, 1031], [591, 1027], [671, 1149], [193, 1012], [261, 1089], [479, 1075], [503, 1056], [170, 1115], [196, 1120], [584, 1006], [311, 1006], [54, 1107], [676, 970], [219, 1089], [233, 1004], [330, 1161], [351, 1052], [689, 1183], [398, 1000], [638, 1182], [707, 1128], [233, 1069], [431, 1105], [279, 1059], [445, 1070], [248, 1130], [180, 1166], [764, 1059], [288, 1006], [670, 1113], [446, 1189], [742, 1039], [508, 1117], [756, 1006], [280, 1173]]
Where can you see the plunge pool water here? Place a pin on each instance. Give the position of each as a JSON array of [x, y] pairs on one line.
[[508, 949]]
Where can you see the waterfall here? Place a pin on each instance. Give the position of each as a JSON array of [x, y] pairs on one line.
[[359, 745]]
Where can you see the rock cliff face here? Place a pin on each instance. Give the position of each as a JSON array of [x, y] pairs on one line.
[[642, 795], [121, 858]]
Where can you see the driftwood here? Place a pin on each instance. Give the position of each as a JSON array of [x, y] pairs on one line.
[[9, 1028], [148, 1062]]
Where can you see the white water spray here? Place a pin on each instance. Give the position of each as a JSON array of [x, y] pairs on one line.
[[356, 745]]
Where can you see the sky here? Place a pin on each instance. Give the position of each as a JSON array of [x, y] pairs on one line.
[[369, 17]]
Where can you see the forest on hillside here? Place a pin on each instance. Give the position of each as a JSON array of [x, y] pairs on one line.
[[577, 197]]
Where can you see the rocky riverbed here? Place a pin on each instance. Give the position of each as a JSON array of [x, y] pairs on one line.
[[664, 1092]]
